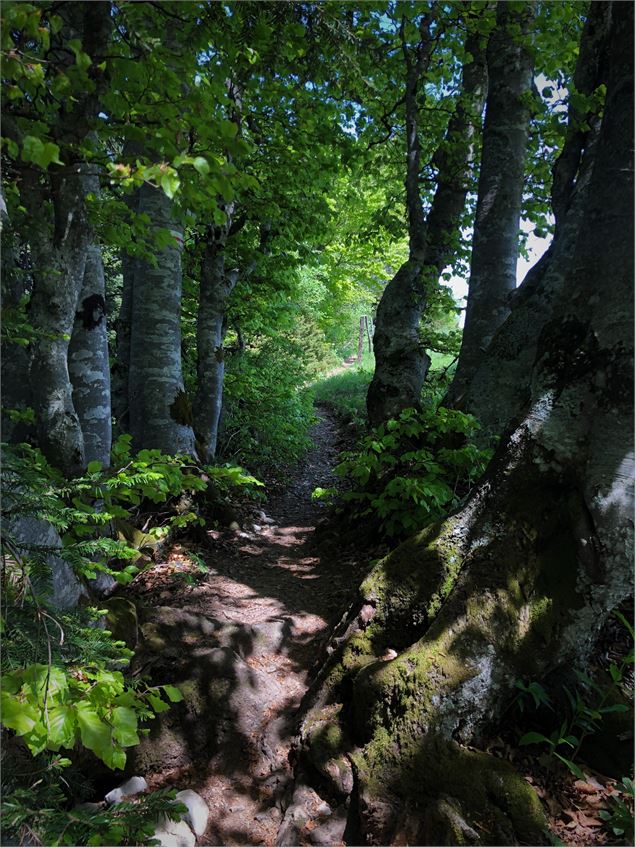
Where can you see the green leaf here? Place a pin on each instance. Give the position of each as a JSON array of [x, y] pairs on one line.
[[95, 734], [173, 693], [21, 717], [62, 727], [575, 770], [170, 184], [124, 723], [626, 623], [40, 152], [201, 165], [157, 703], [535, 738], [94, 466]]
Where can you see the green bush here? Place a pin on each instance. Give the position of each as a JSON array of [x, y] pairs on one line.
[[411, 471], [63, 683]]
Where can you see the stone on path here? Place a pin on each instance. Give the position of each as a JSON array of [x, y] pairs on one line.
[[197, 813], [174, 834], [131, 786]]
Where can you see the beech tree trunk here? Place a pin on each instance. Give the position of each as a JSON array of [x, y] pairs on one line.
[[60, 239], [401, 362], [217, 285], [89, 365], [159, 410], [517, 583], [500, 188], [499, 388], [58, 271]]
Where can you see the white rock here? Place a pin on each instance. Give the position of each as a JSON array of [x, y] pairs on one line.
[[131, 786], [174, 834], [197, 813]]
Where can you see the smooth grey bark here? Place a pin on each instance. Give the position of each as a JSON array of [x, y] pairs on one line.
[[501, 384], [401, 362], [60, 238], [518, 582], [217, 284], [160, 414], [89, 364], [500, 187], [58, 273]]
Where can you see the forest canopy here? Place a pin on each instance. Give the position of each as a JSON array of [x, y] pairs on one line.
[[223, 221]]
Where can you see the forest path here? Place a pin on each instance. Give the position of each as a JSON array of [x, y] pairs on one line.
[[248, 635]]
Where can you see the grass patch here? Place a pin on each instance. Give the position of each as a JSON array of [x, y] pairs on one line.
[[345, 392]]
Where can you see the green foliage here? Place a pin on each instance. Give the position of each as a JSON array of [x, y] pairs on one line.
[[40, 811], [51, 707], [345, 391], [587, 704], [267, 408], [619, 817], [411, 471]]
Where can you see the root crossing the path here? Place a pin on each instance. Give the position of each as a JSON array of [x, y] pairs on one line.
[[241, 644]]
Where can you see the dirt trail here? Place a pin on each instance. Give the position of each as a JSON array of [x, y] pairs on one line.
[[248, 634]]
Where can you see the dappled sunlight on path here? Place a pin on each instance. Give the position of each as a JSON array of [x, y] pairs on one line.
[[248, 635]]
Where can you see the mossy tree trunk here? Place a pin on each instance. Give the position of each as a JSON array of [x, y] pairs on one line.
[[401, 362], [500, 187], [517, 583]]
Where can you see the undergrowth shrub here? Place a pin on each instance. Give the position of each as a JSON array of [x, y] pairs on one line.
[[410, 471], [63, 675], [267, 409]]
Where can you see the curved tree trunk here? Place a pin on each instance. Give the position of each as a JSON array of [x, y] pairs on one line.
[[520, 580], [401, 362], [88, 362], [499, 388], [500, 188], [160, 413]]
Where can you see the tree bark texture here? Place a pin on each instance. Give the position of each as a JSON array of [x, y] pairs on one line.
[[58, 272], [500, 387], [401, 362], [89, 365], [160, 413], [518, 582], [217, 285], [59, 243], [500, 188]]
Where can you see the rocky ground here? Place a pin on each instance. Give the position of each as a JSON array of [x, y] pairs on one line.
[[240, 643]]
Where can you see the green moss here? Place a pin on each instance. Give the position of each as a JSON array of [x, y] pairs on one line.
[[485, 793]]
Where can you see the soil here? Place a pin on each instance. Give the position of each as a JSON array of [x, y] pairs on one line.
[[274, 590]]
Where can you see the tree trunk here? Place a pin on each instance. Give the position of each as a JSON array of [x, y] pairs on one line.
[[217, 285], [500, 387], [160, 412], [505, 134], [401, 362], [89, 365], [517, 583], [123, 324], [58, 273]]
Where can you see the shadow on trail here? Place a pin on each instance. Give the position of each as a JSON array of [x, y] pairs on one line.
[[239, 645]]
